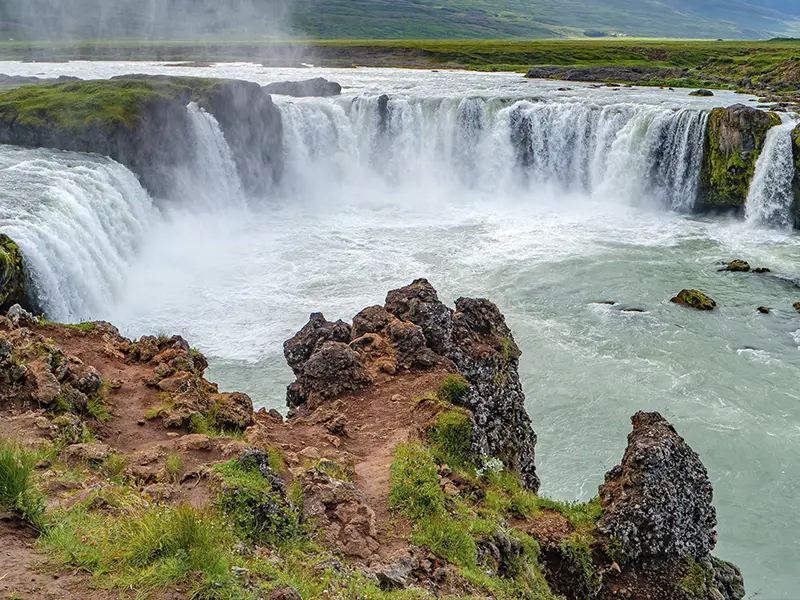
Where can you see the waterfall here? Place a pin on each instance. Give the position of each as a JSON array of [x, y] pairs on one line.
[[771, 193], [211, 181], [78, 220], [626, 152]]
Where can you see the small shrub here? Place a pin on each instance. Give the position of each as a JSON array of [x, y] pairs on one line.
[[174, 464], [450, 438], [98, 408], [697, 579], [334, 469], [17, 489], [415, 482], [492, 467], [114, 465], [578, 550], [453, 390], [258, 514], [448, 538]]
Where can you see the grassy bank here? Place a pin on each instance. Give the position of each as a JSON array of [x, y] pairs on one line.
[[774, 63]]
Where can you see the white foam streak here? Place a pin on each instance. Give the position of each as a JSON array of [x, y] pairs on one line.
[[79, 220], [771, 195]]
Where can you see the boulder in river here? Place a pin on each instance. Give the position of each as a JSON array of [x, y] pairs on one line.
[[764, 310], [302, 89], [695, 299], [737, 265], [702, 93], [796, 306]]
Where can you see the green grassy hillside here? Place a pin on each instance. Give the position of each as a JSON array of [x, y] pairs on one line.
[[396, 19]]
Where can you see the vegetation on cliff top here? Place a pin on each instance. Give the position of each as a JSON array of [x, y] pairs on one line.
[[104, 103]]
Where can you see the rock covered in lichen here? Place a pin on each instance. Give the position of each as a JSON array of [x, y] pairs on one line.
[[737, 265], [694, 299], [734, 140], [12, 274], [657, 502]]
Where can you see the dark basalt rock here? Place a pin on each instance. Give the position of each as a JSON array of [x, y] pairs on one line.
[[416, 331], [658, 501], [764, 310], [301, 89], [702, 93], [475, 337], [253, 128], [419, 303], [311, 337], [331, 370]]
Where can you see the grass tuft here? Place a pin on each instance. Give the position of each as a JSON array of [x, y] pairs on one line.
[[18, 491]]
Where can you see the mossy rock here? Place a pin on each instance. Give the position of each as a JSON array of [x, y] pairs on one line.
[[12, 274], [739, 266], [764, 310], [694, 299], [734, 140], [795, 208], [796, 306]]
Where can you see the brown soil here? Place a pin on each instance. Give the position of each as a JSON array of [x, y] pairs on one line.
[[375, 420], [23, 572]]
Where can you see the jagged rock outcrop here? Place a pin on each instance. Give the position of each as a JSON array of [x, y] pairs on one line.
[[416, 331], [141, 121], [734, 140], [34, 373], [302, 89], [658, 500], [476, 338], [657, 508], [12, 274]]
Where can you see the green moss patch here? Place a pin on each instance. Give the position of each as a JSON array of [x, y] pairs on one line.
[[106, 104]]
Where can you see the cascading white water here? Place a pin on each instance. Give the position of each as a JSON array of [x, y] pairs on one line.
[[771, 194], [78, 219], [623, 151], [211, 181]]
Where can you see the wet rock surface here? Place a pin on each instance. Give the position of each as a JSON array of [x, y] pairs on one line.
[[12, 274], [736, 136], [301, 89], [694, 299]]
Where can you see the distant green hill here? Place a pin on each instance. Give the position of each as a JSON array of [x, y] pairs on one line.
[[397, 19]]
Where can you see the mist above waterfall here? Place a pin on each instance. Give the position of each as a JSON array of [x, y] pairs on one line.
[[85, 20]]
